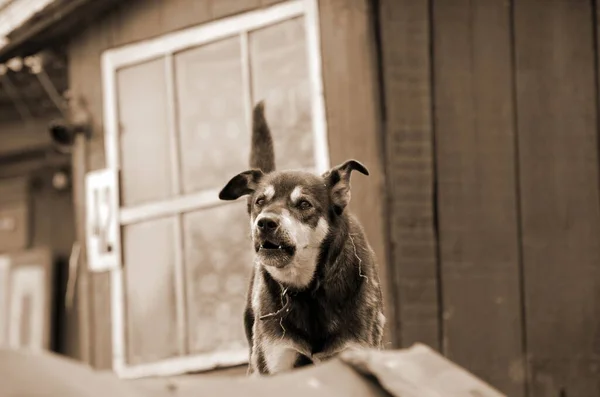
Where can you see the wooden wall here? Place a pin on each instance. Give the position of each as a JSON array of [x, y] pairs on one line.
[[352, 109], [491, 128]]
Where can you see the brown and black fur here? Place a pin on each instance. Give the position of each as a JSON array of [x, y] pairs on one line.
[[342, 305]]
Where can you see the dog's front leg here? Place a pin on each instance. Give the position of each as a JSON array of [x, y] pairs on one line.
[[251, 371], [279, 356], [256, 366]]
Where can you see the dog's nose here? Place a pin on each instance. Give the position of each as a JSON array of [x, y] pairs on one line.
[[267, 224]]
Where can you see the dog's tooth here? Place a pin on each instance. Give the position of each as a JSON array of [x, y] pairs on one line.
[[280, 247]]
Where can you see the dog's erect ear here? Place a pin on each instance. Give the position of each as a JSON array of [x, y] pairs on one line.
[[338, 181], [241, 185]]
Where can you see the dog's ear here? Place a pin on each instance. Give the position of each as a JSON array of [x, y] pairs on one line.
[[241, 185], [338, 182]]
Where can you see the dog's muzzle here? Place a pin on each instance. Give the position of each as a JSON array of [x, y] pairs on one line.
[[270, 238]]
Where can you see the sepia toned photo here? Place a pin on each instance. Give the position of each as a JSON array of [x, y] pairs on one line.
[[299, 197]]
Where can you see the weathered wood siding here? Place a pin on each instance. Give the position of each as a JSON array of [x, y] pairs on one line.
[[557, 89], [476, 186], [500, 230], [404, 28]]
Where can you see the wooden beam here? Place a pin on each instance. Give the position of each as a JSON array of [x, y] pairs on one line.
[[83, 295], [406, 64], [477, 191], [556, 79]]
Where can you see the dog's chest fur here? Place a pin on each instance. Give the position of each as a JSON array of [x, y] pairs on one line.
[[316, 316]]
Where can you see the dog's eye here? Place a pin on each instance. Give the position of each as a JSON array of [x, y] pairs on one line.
[[260, 201], [304, 205]]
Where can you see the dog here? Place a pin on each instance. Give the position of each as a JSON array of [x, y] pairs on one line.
[[314, 289]]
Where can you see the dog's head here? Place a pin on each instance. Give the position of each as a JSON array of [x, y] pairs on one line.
[[291, 213]]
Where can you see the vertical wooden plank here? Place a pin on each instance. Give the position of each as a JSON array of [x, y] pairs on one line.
[[558, 147], [406, 64], [477, 191], [352, 109], [85, 82], [83, 293]]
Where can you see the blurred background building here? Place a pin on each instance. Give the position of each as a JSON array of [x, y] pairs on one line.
[[121, 120]]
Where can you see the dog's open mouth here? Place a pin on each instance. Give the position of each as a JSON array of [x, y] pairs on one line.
[[268, 245], [271, 247]]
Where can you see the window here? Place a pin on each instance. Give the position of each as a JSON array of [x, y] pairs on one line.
[[177, 118]]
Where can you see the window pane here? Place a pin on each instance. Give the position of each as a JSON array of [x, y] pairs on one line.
[[219, 259], [145, 163], [214, 139], [280, 76], [148, 253]]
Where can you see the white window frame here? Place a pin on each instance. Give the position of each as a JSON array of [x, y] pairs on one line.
[[166, 45]]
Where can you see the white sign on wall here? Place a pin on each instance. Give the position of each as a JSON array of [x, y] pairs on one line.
[[27, 308], [102, 227]]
